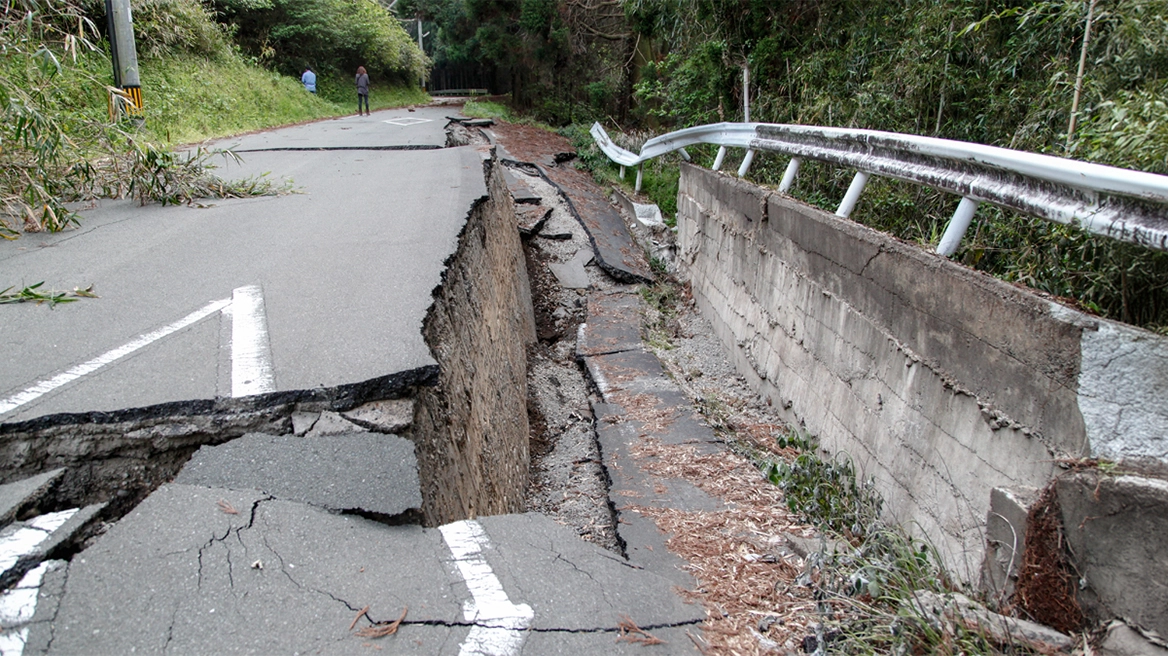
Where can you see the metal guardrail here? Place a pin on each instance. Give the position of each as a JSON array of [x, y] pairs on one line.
[[1127, 205]]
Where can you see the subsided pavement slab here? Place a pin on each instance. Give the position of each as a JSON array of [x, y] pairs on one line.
[[210, 570], [186, 575], [642, 409], [613, 325], [18, 495], [368, 472]]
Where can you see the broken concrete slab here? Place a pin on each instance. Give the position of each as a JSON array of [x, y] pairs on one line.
[[636, 381], [1123, 640], [614, 324], [23, 545], [520, 192], [368, 472], [632, 484], [647, 214], [302, 422], [331, 423], [955, 608], [645, 546], [1006, 525], [272, 577], [531, 218], [571, 274], [388, 416], [18, 495], [1115, 527], [617, 253], [632, 489]]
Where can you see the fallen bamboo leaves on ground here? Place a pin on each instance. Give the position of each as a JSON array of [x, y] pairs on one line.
[[380, 630], [34, 294], [362, 613], [630, 632]]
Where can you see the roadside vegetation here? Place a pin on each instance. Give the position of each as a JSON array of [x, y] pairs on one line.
[[802, 561], [1002, 73], [60, 143]]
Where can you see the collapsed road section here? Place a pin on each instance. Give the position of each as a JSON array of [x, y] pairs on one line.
[[289, 521]]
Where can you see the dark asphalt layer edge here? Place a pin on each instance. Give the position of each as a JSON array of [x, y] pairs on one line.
[[338, 398]]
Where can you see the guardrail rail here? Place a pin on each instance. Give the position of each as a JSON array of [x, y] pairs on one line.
[[1127, 205]]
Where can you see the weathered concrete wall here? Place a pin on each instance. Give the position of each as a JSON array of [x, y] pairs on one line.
[[471, 430], [1114, 527], [940, 382]]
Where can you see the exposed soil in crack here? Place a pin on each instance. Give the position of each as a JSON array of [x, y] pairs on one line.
[[741, 557], [567, 481]]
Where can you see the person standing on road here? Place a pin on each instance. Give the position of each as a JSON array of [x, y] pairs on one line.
[[362, 90], [309, 80]]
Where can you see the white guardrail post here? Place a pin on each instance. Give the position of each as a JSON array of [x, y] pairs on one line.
[[1127, 205], [789, 174], [853, 195], [957, 227], [718, 159]]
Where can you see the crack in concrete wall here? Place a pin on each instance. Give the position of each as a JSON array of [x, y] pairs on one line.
[[938, 381]]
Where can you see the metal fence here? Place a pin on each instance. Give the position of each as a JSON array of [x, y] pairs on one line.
[[1127, 205]]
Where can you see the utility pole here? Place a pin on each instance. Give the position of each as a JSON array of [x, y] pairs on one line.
[[124, 53], [746, 93], [422, 81]]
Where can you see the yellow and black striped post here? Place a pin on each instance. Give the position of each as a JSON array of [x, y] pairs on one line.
[[126, 103], [126, 96], [134, 109]]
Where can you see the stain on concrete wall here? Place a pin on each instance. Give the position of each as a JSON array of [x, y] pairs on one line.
[[471, 429], [939, 381]]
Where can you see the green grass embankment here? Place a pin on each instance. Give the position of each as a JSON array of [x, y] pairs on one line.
[[190, 99]]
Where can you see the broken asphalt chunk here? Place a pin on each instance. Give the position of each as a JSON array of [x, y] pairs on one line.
[[23, 545], [368, 472], [19, 495]]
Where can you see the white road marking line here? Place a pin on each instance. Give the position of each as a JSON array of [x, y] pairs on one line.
[[17, 606], [251, 353], [44, 387], [407, 121], [12, 642], [500, 626], [27, 538]]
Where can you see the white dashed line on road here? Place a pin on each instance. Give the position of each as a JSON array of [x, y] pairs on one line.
[[499, 625], [251, 353]]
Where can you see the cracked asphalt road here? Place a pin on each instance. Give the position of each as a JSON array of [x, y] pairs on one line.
[[182, 574]]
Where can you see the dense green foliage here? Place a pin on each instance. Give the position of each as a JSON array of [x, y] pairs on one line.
[[330, 36], [57, 140], [562, 60], [998, 73]]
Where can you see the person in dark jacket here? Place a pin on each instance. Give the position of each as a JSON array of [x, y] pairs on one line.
[[362, 90]]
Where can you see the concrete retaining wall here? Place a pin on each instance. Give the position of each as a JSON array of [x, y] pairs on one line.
[[940, 382], [471, 429]]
